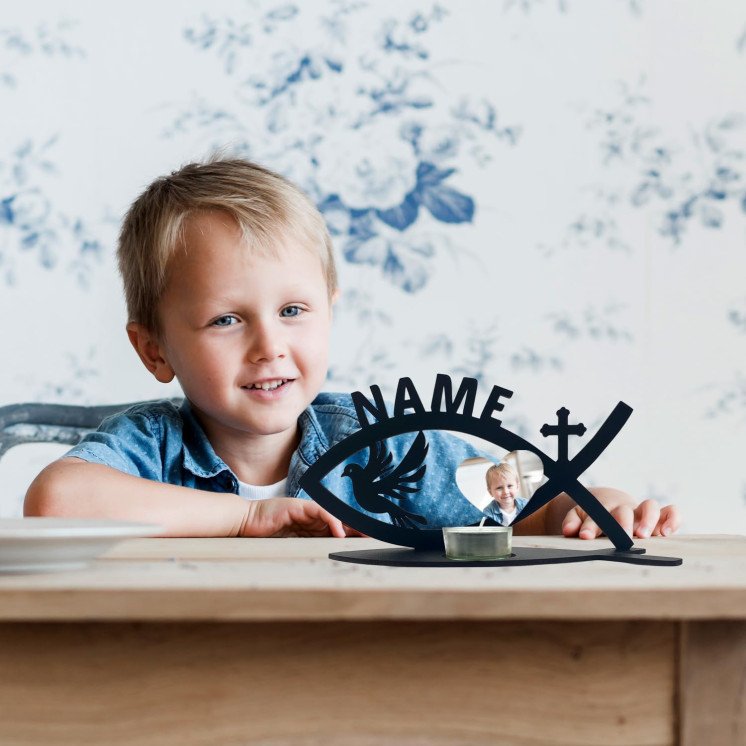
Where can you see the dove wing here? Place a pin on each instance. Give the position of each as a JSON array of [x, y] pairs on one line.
[[379, 460], [410, 469]]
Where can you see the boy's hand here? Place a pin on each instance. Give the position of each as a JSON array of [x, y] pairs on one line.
[[291, 516], [643, 520]]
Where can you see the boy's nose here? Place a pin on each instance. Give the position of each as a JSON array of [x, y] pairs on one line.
[[266, 344]]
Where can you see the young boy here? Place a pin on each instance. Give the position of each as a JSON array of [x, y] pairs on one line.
[[229, 280], [503, 485]]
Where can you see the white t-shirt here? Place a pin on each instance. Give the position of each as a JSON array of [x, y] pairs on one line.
[[262, 492], [508, 517]]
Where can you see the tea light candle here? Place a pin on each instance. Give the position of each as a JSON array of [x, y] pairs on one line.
[[478, 542]]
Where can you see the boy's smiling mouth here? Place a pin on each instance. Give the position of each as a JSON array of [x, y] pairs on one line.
[[269, 384]]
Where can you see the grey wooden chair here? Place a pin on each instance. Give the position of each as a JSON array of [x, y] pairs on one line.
[[51, 423]]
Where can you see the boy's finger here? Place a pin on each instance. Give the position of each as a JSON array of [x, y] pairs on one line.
[[349, 531], [571, 524], [589, 529], [625, 517], [336, 527], [670, 520], [316, 513], [647, 514]]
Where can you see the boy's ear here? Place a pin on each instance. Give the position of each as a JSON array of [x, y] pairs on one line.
[[149, 349]]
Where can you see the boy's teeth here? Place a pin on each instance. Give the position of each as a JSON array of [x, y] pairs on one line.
[[269, 385]]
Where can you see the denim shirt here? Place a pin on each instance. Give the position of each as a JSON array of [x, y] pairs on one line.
[[493, 509], [164, 442]]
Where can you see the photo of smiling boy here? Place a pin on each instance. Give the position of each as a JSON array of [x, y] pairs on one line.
[[503, 484], [230, 282]]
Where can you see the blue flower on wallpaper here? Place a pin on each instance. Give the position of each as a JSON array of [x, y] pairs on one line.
[[593, 323], [651, 169], [75, 383], [47, 40], [477, 351], [348, 105], [29, 221], [380, 204]]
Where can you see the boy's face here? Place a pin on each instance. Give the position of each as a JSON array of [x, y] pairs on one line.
[[504, 490], [247, 336]]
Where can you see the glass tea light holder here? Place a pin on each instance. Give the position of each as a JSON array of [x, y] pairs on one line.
[[478, 542]]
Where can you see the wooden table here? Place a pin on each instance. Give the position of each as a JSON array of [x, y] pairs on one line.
[[267, 641]]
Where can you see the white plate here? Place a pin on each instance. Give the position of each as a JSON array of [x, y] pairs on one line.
[[54, 544]]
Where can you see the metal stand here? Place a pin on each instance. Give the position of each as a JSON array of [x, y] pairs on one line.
[[520, 556]]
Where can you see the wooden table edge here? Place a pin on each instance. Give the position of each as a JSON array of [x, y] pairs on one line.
[[259, 605]]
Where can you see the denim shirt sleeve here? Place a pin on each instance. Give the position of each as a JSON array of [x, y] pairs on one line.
[[128, 441]]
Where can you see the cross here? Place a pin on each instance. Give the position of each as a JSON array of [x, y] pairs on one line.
[[562, 430]]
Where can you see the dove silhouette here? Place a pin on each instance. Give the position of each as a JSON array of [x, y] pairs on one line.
[[379, 482]]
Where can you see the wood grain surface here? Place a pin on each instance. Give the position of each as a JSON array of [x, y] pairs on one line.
[[713, 683], [293, 579], [334, 684]]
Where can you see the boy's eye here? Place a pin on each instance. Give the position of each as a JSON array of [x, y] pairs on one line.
[[225, 321], [290, 311]]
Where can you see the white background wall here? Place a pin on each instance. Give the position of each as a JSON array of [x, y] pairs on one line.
[[581, 203]]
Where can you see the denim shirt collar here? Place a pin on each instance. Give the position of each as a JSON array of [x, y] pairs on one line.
[[325, 423], [198, 455], [200, 459]]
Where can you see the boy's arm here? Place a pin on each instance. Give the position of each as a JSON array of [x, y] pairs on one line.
[[74, 488], [562, 516]]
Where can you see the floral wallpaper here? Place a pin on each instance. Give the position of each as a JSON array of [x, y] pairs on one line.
[[548, 195]]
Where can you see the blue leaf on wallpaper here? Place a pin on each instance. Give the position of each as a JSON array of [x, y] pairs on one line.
[[403, 216], [330, 202], [336, 215], [362, 250], [6, 210], [401, 265], [282, 13], [409, 278], [30, 240], [737, 317], [711, 217], [640, 195], [391, 45], [448, 205], [361, 226], [687, 207], [429, 175]]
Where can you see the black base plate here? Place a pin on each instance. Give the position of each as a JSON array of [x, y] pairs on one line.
[[520, 556]]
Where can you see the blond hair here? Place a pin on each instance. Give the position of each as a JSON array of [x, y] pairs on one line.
[[266, 206], [503, 469]]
